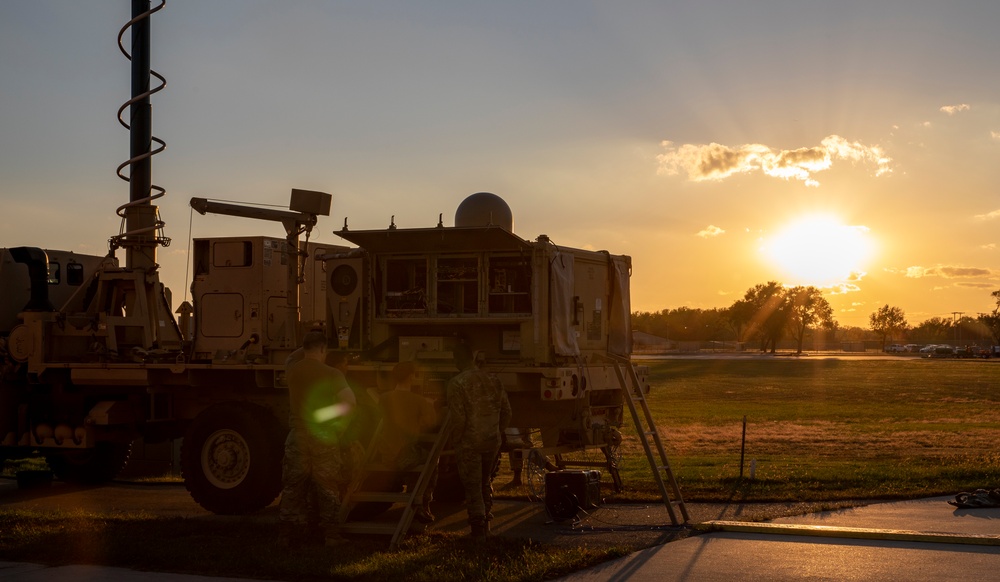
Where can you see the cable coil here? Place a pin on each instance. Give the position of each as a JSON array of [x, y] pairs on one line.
[[134, 236]]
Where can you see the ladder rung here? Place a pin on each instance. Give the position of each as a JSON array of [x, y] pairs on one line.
[[358, 496], [632, 387], [415, 469], [372, 494]]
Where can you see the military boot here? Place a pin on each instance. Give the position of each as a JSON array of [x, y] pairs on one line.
[[422, 513], [480, 528]]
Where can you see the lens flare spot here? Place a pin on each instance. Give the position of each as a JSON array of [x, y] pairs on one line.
[[328, 413]]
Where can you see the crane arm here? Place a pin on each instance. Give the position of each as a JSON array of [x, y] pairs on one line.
[[291, 220]]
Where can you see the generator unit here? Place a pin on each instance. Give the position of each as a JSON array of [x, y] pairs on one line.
[[569, 492]]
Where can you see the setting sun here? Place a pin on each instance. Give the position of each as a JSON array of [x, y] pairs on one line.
[[819, 250]]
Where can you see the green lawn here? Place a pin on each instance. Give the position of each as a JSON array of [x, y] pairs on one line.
[[824, 429]]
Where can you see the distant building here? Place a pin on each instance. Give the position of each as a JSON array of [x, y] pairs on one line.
[[646, 343]]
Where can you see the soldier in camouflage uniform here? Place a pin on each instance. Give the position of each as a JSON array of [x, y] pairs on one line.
[[319, 403], [480, 412]]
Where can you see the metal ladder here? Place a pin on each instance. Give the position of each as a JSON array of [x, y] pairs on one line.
[[374, 484], [645, 427]]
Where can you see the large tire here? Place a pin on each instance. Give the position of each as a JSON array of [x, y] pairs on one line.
[[231, 458], [90, 466]]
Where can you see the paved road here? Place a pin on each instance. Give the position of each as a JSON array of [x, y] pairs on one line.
[[884, 541], [913, 540], [786, 356]]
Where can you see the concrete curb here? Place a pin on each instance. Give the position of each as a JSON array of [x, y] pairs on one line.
[[860, 533]]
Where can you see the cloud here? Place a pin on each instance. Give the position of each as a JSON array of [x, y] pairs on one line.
[[995, 135], [856, 275], [948, 272], [710, 231], [975, 285], [702, 162], [989, 215], [843, 289], [989, 246], [953, 109]]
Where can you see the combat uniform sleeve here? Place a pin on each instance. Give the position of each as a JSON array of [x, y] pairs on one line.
[[343, 389], [346, 395]]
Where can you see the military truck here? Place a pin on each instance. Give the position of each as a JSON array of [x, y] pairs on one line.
[[92, 357]]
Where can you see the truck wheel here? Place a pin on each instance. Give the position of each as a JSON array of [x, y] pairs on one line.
[[231, 458], [90, 466]]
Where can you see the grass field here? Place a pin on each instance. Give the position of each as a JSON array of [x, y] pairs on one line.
[[819, 430], [823, 429]]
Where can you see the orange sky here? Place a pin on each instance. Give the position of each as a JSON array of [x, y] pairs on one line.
[[696, 138]]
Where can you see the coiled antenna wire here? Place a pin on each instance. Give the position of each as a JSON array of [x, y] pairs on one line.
[[147, 233]]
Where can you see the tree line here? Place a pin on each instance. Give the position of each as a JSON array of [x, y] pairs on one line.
[[890, 324], [770, 312]]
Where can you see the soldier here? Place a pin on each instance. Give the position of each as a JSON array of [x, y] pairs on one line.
[[363, 420], [406, 415], [480, 412], [319, 402]]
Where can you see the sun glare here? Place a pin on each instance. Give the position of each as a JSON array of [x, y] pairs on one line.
[[819, 250]]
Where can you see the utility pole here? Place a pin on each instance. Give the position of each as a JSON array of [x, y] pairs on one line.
[[956, 318]]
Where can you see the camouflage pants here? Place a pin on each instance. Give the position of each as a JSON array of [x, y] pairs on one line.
[[311, 472], [354, 457], [474, 470]]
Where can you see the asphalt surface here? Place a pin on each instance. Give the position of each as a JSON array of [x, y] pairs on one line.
[[922, 540], [919, 540]]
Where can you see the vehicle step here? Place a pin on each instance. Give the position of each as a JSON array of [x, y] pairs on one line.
[[360, 496], [367, 527]]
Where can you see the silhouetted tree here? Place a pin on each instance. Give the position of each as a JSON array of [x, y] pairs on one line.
[[739, 315], [932, 331], [767, 324], [806, 307], [887, 321], [992, 320]]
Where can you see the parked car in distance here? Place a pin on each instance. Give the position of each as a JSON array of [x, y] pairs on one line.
[[943, 351], [928, 349], [895, 349], [972, 352], [912, 348]]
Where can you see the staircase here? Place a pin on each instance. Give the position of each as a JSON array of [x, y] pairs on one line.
[[380, 486]]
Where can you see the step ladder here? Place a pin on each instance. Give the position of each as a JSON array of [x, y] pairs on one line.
[[645, 427], [374, 484]]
